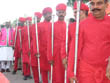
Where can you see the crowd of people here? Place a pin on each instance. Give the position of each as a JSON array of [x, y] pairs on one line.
[[48, 48]]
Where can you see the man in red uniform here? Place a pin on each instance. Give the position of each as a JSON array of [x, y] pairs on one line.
[[34, 62], [93, 47], [17, 50], [83, 15], [59, 32], [42, 36], [71, 33], [26, 50], [44, 27]]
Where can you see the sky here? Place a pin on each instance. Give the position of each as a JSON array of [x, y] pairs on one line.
[[13, 9]]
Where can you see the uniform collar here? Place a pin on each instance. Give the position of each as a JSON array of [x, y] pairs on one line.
[[99, 19], [47, 21], [61, 21]]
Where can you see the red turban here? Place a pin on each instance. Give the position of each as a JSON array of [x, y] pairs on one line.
[[22, 19], [46, 10], [83, 6], [61, 6], [38, 14], [29, 18]]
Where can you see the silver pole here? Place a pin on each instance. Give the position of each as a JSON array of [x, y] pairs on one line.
[[28, 33], [52, 45], [28, 29], [16, 33], [38, 50], [66, 49], [77, 32]]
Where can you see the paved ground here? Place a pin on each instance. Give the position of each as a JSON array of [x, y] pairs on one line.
[[17, 78]]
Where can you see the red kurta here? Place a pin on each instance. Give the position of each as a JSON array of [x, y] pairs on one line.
[[44, 27], [33, 45], [34, 62], [17, 49], [45, 66], [17, 45], [59, 34], [93, 50], [25, 45], [42, 36], [71, 34], [25, 51]]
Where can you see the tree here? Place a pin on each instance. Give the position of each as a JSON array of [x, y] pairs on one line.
[[70, 2]]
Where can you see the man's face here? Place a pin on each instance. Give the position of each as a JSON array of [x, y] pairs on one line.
[[98, 8], [48, 16], [82, 14], [61, 14], [38, 20], [8, 24], [30, 22], [21, 24]]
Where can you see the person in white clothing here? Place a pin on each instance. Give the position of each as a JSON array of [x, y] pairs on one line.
[[6, 47]]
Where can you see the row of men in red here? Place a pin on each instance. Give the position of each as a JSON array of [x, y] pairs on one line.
[[44, 33], [44, 29], [21, 51], [33, 50], [45, 45]]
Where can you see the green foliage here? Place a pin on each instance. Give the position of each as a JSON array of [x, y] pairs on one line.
[[70, 2], [14, 23]]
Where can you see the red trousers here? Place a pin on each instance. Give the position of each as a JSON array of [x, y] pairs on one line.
[[92, 74], [44, 75], [16, 64], [58, 73], [35, 74], [26, 69]]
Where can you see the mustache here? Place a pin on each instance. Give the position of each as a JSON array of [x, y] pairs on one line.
[[49, 16], [61, 16], [96, 9]]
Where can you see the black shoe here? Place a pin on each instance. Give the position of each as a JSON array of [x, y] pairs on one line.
[[25, 78], [30, 77], [14, 72], [7, 70], [19, 68], [2, 70]]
